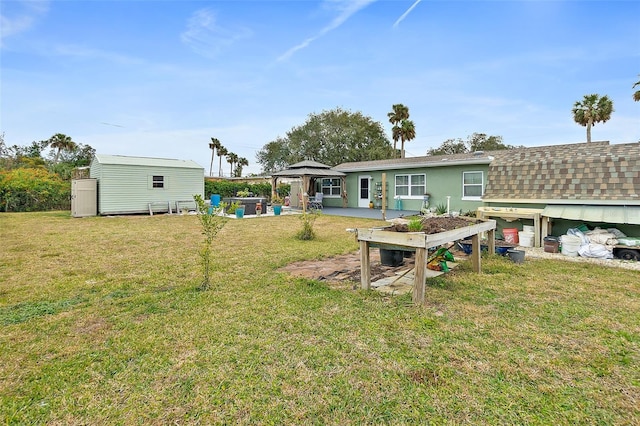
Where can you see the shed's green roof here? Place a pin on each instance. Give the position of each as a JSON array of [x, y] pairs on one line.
[[146, 161]]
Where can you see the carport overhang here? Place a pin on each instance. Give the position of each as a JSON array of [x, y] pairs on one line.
[[595, 213]]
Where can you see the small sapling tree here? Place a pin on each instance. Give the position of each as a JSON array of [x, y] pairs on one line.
[[212, 221], [308, 219]]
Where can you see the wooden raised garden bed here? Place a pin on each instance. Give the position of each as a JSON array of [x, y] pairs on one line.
[[421, 242]]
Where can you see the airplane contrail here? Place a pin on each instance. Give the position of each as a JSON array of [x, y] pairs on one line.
[[109, 124], [404, 15]]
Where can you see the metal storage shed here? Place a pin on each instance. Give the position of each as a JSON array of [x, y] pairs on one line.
[[129, 185]]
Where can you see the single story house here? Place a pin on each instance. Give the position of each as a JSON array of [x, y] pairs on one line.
[[129, 185], [457, 179], [592, 183]]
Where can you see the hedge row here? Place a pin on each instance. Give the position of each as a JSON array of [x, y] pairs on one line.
[[33, 189], [230, 189]]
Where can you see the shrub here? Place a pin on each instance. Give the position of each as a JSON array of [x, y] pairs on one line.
[[229, 189], [307, 232], [33, 189]]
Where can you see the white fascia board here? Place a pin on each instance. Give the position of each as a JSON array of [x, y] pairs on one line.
[[416, 165]]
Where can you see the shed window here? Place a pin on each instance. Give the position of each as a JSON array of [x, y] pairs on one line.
[[411, 185], [331, 187], [158, 182], [472, 184]]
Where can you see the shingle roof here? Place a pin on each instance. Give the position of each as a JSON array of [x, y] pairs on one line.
[[416, 162], [594, 171], [308, 168]]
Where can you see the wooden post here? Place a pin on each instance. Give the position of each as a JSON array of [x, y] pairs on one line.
[[305, 196], [365, 266], [419, 275], [384, 196], [491, 236], [475, 252]]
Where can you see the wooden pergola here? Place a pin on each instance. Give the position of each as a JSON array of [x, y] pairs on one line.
[[310, 171]]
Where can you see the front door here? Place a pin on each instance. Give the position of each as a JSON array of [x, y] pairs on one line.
[[364, 191]]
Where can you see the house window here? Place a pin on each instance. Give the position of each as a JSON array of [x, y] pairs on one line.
[[158, 182], [411, 185], [331, 187], [472, 184]]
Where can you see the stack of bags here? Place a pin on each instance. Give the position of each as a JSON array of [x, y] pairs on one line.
[[597, 243]]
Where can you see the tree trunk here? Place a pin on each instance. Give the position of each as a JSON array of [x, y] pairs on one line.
[[589, 131], [211, 165], [220, 166]]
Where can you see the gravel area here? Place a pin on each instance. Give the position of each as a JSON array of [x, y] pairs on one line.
[[539, 253]]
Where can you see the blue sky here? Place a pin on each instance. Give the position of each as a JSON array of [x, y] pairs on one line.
[[159, 78]]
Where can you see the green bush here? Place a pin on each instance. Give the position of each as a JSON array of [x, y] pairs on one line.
[[307, 232], [229, 189], [33, 189]]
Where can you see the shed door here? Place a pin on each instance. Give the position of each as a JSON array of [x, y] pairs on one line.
[[84, 197]]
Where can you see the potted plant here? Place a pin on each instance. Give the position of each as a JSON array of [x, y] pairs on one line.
[[276, 203], [240, 211]]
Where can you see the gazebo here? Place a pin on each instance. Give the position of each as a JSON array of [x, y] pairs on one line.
[[310, 171]]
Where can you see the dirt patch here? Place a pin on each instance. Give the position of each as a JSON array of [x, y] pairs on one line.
[[345, 269]]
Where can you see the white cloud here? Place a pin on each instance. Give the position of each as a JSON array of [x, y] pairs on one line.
[[14, 22], [206, 37], [90, 53]]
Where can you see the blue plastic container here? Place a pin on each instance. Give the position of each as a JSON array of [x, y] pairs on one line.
[[215, 200]]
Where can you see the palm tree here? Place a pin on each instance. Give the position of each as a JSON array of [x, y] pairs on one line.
[[222, 151], [61, 142], [593, 109], [241, 162], [407, 133], [397, 115], [213, 146], [636, 95], [232, 158]]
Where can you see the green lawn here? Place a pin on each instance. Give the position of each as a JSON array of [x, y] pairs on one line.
[[101, 323]]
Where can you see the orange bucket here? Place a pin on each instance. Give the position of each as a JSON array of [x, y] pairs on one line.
[[510, 235]]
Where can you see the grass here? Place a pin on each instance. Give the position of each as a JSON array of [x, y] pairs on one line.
[[101, 323]]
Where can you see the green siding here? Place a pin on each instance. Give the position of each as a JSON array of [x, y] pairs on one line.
[[441, 182], [127, 188]]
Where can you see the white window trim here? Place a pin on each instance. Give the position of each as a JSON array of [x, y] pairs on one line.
[[476, 198], [165, 183], [409, 197], [339, 187]]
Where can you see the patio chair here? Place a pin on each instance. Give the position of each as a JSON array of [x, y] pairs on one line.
[[316, 203]]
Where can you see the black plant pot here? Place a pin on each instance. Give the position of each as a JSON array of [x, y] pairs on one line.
[[391, 257]]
